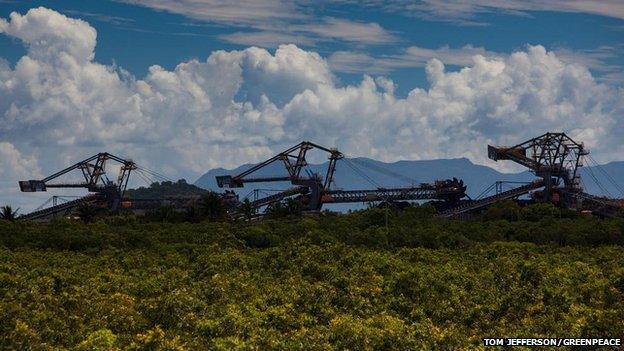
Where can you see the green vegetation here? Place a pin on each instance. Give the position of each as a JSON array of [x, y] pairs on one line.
[[162, 190], [313, 283], [8, 213], [86, 212]]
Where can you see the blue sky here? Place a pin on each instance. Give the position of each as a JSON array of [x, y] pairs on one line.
[[135, 36], [185, 86]]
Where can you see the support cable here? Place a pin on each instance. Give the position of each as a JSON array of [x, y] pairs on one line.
[[382, 170], [155, 174], [486, 191], [605, 192], [361, 173], [144, 177], [43, 204], [607, 175]]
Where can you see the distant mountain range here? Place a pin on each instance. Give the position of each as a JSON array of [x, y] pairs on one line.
[[404, 173]]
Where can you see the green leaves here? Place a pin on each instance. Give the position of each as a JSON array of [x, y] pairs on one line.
[[329, 282], [99, 340], [8, 213]]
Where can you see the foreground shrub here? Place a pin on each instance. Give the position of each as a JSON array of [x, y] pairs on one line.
[[327, 282]]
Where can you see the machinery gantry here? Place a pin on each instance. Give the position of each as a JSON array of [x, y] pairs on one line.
[[554, 157], [556, 160], [313, 191], [312, 186], [93, 171]]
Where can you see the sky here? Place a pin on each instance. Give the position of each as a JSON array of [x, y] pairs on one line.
[[185, 86]]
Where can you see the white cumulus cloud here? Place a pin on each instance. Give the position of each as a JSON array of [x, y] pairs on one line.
[[14, 164], [59, 105], [48, 34]]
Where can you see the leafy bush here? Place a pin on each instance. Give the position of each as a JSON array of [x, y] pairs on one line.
[[505, 209], [328, 282]]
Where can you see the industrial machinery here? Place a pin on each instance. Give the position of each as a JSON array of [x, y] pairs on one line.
[[555, 159], [312, 190], [105, 193], [310, 186]]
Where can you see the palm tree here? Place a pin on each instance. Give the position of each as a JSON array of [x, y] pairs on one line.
[[86, 212], [293, 206], [275, 210], [7, 212], [247, 209], [212, 206]]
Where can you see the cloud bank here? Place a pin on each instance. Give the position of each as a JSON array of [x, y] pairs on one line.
[[269, 23], [58, 105], [413, 56], [464, 12], [254, 12]]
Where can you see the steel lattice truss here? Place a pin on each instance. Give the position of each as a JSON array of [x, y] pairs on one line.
[[313, 191], [294, 160], [552, 155], [445, 190], [93, 170]]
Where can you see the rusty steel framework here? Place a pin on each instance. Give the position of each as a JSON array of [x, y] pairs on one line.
[[555, 159], [294, 160], [309, 187], [93, 170], [313, 191], [451, 190]]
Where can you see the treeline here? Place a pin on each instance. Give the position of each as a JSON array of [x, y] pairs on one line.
[[377, 228], [375, 279], [164, 189], [212, 206]]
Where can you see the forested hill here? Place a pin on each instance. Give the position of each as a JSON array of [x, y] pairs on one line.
[[165, 189]]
